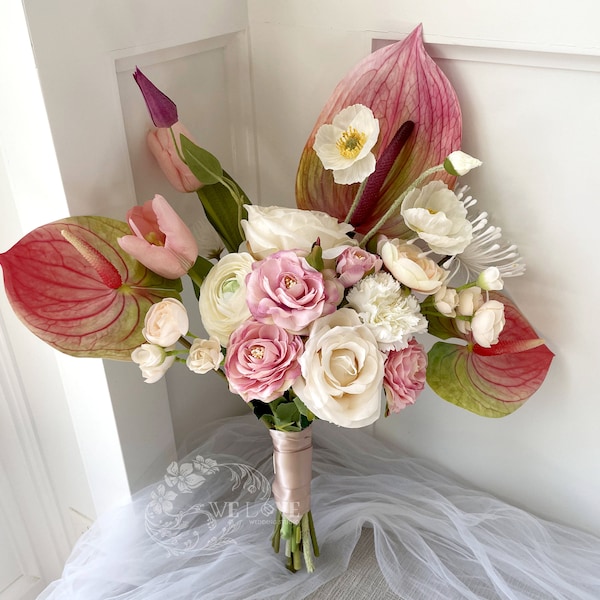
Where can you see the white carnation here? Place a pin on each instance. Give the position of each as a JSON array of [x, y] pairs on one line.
[[392, 316]]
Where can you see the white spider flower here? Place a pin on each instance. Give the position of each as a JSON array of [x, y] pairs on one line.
[[345, 145], [487, 249]]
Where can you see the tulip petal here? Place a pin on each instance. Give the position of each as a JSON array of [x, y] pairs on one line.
[[162, 109], [399, 83], [65, 300], [491, 382]]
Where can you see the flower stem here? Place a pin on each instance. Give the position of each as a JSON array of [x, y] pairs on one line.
[[300, 541], [356, 201], [398, 202]]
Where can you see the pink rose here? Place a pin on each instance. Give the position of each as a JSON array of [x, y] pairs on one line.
[[404, 376], [262, 361], [285, 290], [354, 263]]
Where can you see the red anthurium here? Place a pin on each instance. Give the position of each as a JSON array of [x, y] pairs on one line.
[[72, 285], [399, 83], [492, 382]]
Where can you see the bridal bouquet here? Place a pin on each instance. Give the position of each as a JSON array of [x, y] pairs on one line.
[[314, 312]]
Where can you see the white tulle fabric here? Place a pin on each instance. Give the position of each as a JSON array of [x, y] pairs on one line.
[[434, 538]]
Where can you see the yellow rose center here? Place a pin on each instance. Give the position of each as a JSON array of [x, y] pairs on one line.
[[257, 352], [289, 281], [351, 142]]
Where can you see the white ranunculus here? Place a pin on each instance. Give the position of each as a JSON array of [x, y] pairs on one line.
[[469, 300], [166, 322], [490, 279], [342, 371], [446, 300], [222, 301], [204, 356], [153, 361], [408, 264], [487, 323], [269, 229], [460, 163], [392, 316], [345, 145], [438, 217]]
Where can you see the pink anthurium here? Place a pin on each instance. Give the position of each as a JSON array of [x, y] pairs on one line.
[[71, 284], [399, 83], [495, 381], [162, 241]]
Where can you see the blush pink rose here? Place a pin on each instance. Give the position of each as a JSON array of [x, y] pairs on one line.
[[283, 289], [262, 361], [354, 263], [404, 376]]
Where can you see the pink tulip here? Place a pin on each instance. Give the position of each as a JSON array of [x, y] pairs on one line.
[[162, 146], [162, 241]]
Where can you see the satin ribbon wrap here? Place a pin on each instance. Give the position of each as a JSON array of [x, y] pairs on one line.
[[292, 463]]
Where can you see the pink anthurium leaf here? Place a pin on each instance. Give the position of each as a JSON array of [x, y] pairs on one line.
[[491, 382], [399, 83], [73, 286]]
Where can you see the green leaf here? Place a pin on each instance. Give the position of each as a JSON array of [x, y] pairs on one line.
[[491, 382], [303, 409], [224, 211], [315, 258], [204, 165], [286, 415]]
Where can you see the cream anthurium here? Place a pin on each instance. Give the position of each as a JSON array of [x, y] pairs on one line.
[[345, 145]]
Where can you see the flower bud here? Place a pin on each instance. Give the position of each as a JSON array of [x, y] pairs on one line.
[[459, 163]]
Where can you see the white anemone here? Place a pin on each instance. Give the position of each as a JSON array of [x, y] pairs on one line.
[[344, 146]]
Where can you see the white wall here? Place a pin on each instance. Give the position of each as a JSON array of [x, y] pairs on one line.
[[529, 90]]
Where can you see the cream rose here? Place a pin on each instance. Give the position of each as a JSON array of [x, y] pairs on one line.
[[469, 300], [487, 323], [438, 217], [165, 322], [222, 301], [204, 356], [269, 229], [153, 361], [445, 301], [408, 264], [342, 371]]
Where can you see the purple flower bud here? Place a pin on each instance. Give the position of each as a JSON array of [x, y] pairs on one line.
[[163, 110]]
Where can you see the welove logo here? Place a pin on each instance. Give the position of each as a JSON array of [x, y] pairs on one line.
[[202, 503]]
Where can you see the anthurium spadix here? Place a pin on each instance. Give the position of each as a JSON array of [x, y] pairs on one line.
[[73, 286], [495, 381], [400, 83]]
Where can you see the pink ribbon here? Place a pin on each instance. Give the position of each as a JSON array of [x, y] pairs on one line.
[[292, 463]]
